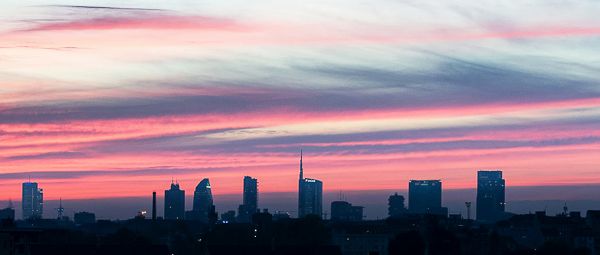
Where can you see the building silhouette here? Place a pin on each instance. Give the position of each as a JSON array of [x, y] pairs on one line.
[[154, 205], [396, 205], [425, 197], [490, 195], [310, 195], [7, 214], [250, 200], [203, 202], [33, 200], [84, 218], [344, 211], [228, 217], [174, 203]]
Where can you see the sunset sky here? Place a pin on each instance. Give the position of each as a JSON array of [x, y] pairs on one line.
[[116, 98]]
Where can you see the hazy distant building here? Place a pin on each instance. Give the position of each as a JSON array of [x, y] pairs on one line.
[[174, 203], [203, 201], [250, 200], [425, 197], [344, 211], [281, 216], [84, 218], [396, 205], [228, 217], [33, 200], [490, 195], [310, 195], [7, 214]]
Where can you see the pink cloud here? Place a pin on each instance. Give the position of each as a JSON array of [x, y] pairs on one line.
[[151, 22]]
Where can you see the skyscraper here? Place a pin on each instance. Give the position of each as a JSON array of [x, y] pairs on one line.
[[425, 196], [174, 203], [250, 200], [490, 195], [33, 200], [396, 205], [310, 195], [203, 201]]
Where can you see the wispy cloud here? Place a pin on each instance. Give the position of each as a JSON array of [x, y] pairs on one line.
[[397, 89]]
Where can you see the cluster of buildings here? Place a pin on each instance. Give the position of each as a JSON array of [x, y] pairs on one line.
[[424, 197], [416, 224]]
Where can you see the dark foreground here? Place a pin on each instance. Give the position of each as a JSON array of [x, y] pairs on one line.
[[425, 234]]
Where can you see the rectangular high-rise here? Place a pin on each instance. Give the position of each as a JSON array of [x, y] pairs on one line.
[[33, 200], [311, 197], [250, 193], [490, 195], [250, 200], [174, 203], [425, 197]]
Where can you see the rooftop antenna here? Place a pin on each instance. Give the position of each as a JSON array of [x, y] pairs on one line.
[[10, 203], [565, 209], [60, 210], [468, 205]]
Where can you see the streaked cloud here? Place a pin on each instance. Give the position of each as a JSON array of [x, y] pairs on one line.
[[109, 92]]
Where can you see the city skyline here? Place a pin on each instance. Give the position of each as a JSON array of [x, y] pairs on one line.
[[314, 127], [91, 101], [425, 197]]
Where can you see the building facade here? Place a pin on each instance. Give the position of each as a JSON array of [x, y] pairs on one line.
[[344, 211], [203, 201], [490, 195], [425, 197], [250, 200], [33, 200], [174, 203]]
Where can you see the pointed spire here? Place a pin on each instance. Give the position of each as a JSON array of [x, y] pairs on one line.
[[301, 169]]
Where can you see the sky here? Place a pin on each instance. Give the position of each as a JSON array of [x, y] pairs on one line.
[[117, 98]]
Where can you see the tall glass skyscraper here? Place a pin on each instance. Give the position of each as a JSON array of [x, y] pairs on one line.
[[310, 195], [203, 200], [33, 200], [174, 203], [425, 196], [250, 199], [490, 195]]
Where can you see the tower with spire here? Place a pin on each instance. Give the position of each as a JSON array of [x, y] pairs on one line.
[[310, 194]]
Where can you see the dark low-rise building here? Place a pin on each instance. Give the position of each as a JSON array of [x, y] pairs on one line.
[[7, 214], [84, 218], [344, 211]]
